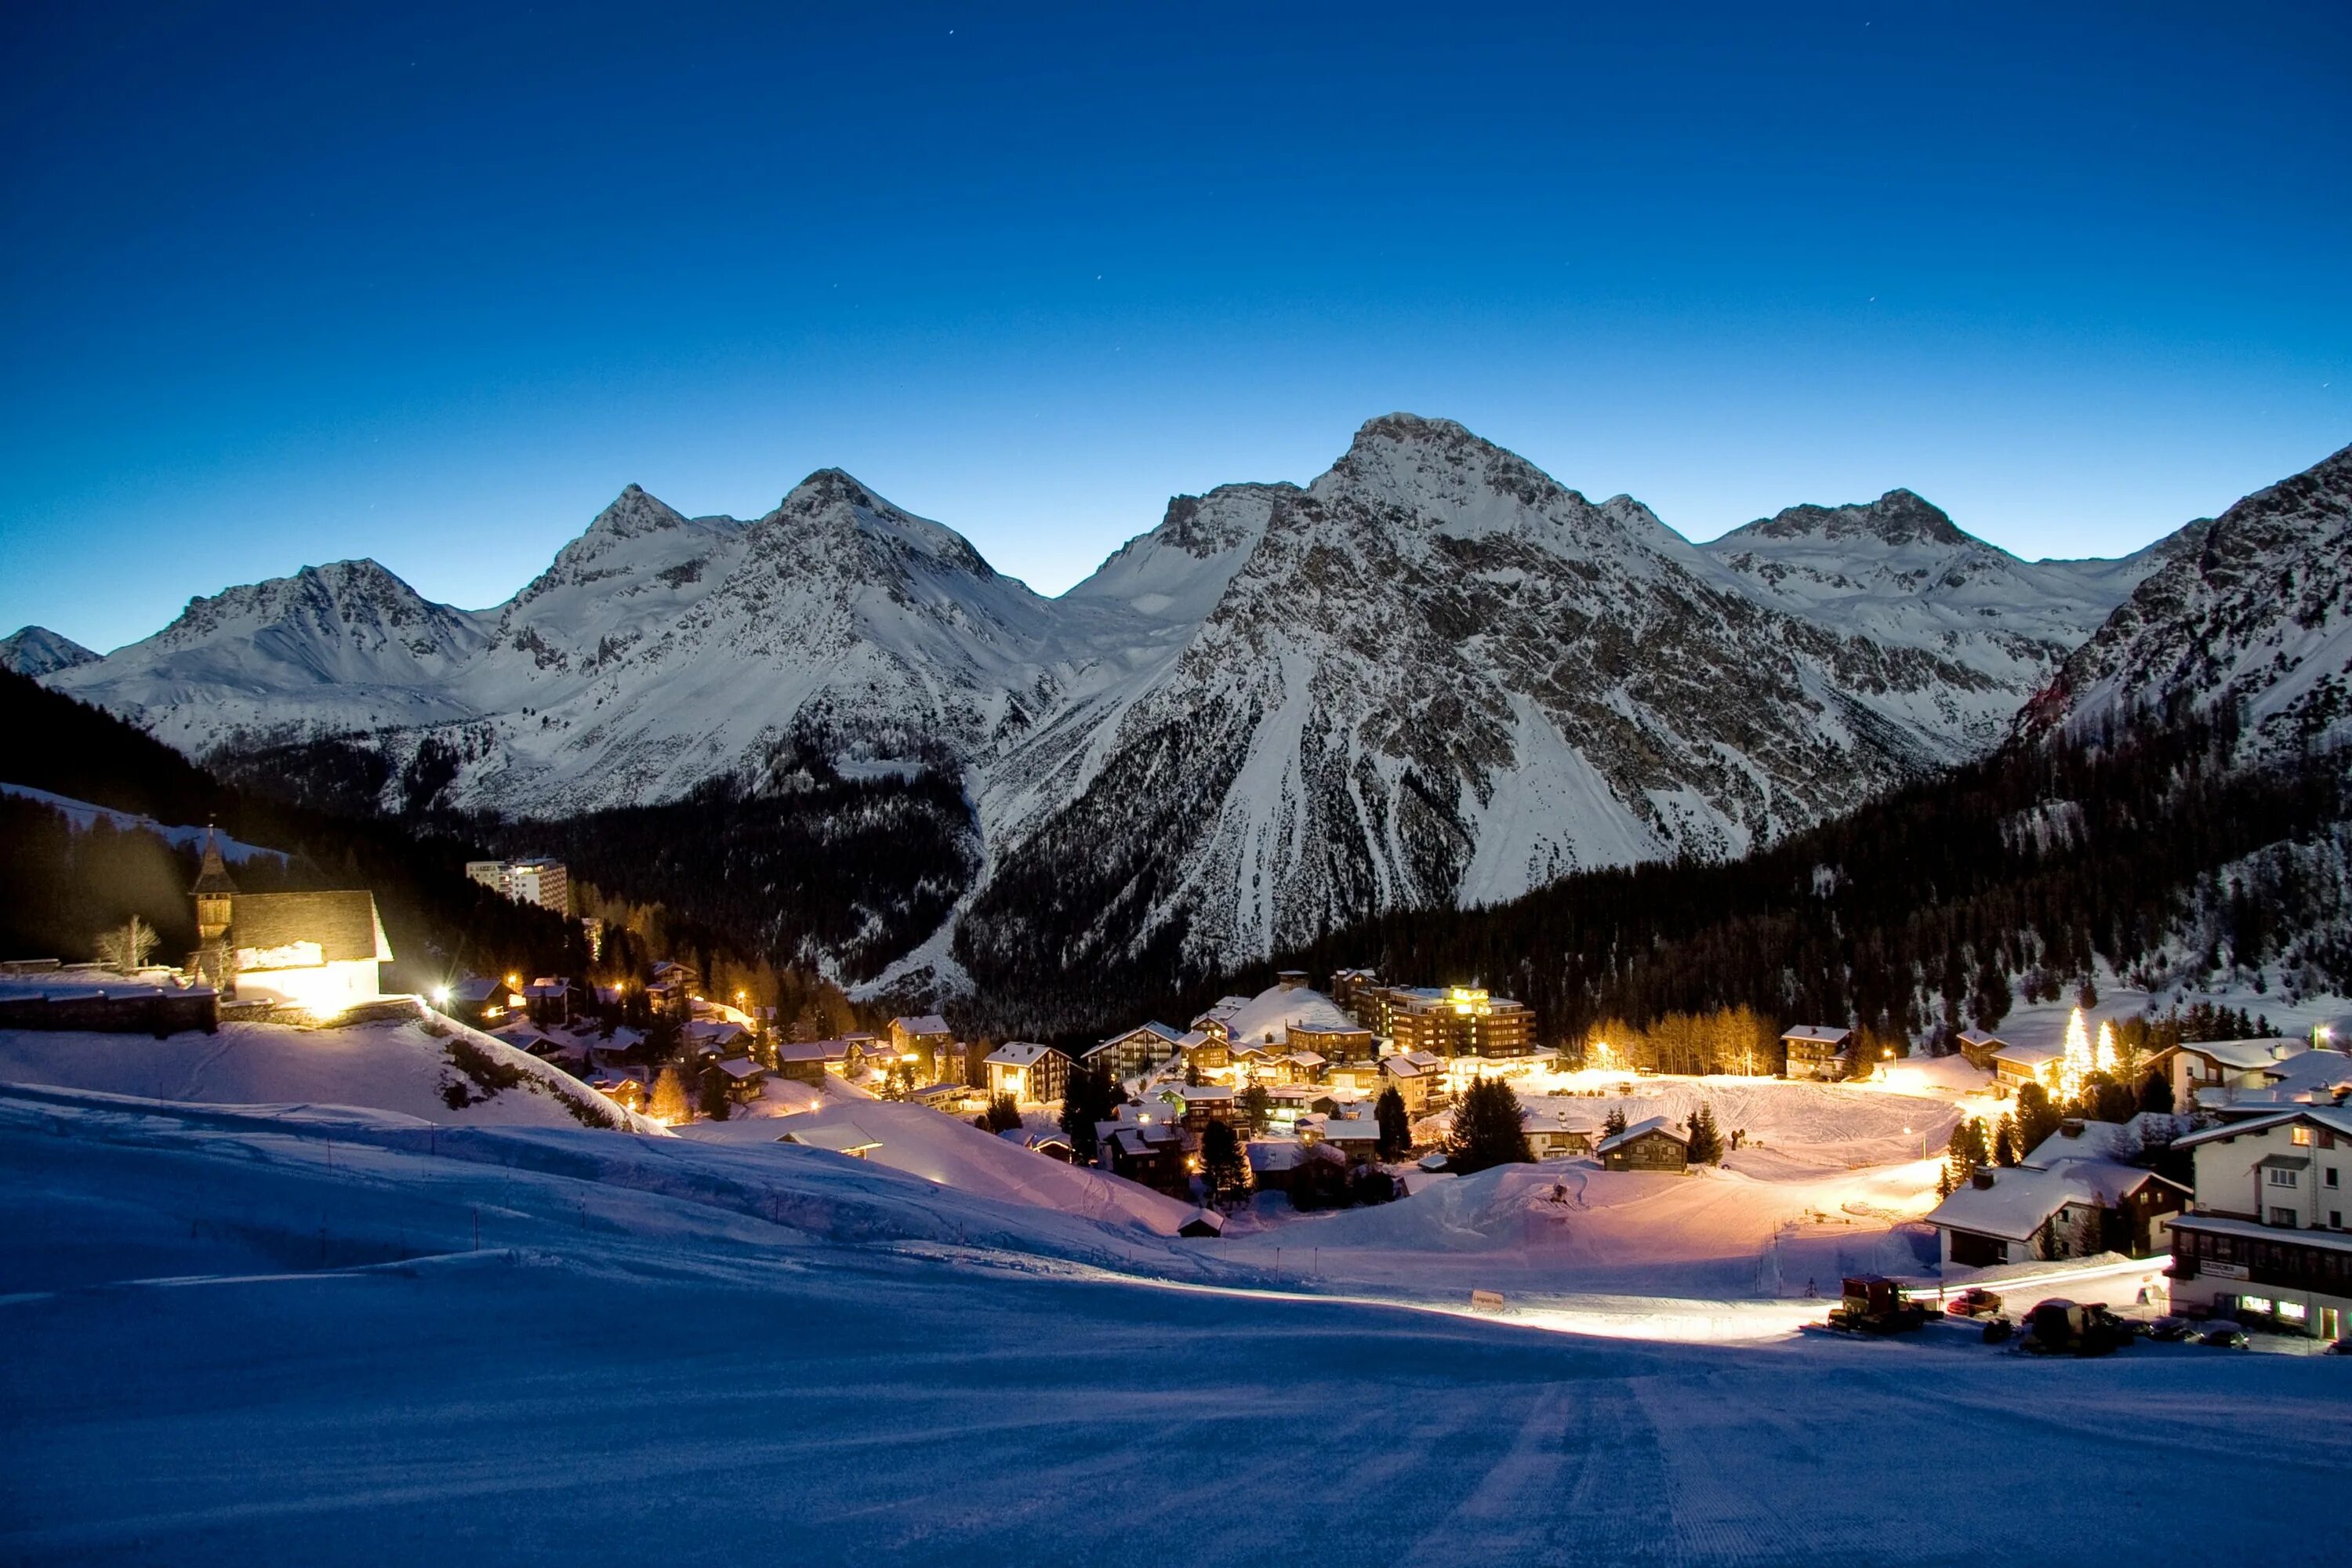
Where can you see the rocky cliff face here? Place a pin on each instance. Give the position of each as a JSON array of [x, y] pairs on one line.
[[2254, 611], [1433, 676]]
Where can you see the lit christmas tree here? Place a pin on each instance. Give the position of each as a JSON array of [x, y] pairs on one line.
[[2105, 1060], [2076, 1066]]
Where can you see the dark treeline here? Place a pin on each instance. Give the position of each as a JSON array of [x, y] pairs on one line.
[[58, 889], [862, 869]]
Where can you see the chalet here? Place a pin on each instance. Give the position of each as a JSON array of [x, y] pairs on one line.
[[1418, 1077], [1349, 988], [1285, 1103], [1979, 1047], [1151, 1153], [628, 1093], [1203, 1222], [1136, 1052], [1328, 1042], [1649, 1145], [1300, 1068], [1204, 1052], [715, 1037], [674, 986], [2014, 1067], [2253, 1076], [744, 1079], [925, 1035], [1203, 1103], [1031, 1073], [1553, 1135], [471, 999], [2267, 1244], [1357, 1137], [1214, 1021], [1051, 1142], [1818, 1051], [949, 1098], [804, 1060], [552, 999], [2073, 1209]]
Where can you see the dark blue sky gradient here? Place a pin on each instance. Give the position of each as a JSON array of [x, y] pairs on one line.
[[431, 284]]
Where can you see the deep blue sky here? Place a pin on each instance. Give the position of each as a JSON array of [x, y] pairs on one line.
[[432, 284]]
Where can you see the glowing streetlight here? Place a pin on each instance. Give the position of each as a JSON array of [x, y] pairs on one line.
[[440, 996]]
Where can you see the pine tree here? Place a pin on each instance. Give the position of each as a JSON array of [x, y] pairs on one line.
[[1706, 1142], [2037, 1119], [1613, 1124], [2155, 1094], [1084, 1102], [2004, 1140], [1395, 1122], [1486, 1129], [669, 1104], [1222, 1170], [1003, 1114], [715, 1103], [1256, 1105]]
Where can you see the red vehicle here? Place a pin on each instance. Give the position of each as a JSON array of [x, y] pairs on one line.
[[1976, 1302]]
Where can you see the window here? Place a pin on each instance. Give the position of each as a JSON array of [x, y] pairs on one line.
[[2294, 1312], [2282, 1217], [2329, 1181], [2254, 1304], [2302, 1137], [2281, 1177]]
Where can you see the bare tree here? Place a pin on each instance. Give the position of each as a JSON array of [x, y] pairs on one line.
[[125, 949]]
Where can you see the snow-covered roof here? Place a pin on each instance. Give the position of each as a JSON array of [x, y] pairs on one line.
[[1820, 1033], [1205, 1093], [1542, 1120], [1020, 1053], [1352, 1130], [2028, 1055], [1207, 1220], [743, 1069], [840, 1137], [1162, 1033], [1401, 1064], [2247, 1055], [804, 1050], [922, 1024], [2019, 1199], [1981, 1037], [2335, 1119], [1639, 1128], [1268, 1016]]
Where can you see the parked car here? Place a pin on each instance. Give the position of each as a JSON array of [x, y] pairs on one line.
[[2171, 1331], [2227, 1337], [2062, 1327], [2341, 1347], [1976, 1302]]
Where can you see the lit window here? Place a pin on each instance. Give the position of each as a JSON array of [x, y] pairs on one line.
[[2294, 1312], [2302, 1136], [2253, 1303]]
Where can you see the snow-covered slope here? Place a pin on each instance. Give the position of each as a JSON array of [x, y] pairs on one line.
[[36, 650], [1897, 571], [2257, 614], [1434, 674], [332, 648]]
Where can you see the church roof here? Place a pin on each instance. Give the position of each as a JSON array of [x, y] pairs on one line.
[[212, 876], [343, 924]]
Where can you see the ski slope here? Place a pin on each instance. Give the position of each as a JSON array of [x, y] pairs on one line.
[[244, 1338]]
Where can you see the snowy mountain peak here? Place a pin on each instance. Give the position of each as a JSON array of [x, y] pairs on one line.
[[1898, 517], [632, 514], [37, 651]]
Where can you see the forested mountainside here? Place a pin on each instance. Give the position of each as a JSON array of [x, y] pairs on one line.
[[1433, 677], [61, 886], [2149, 847]]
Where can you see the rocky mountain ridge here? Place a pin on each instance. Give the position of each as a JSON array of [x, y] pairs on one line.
[[1434, 674]]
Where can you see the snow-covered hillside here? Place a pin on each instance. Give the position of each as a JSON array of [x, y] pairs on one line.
[[257, 1339], [1433, 674], [36, 650], [2258, 614]]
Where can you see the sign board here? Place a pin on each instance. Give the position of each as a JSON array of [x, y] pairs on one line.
[[1486, 1301], [2225, 1270]]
